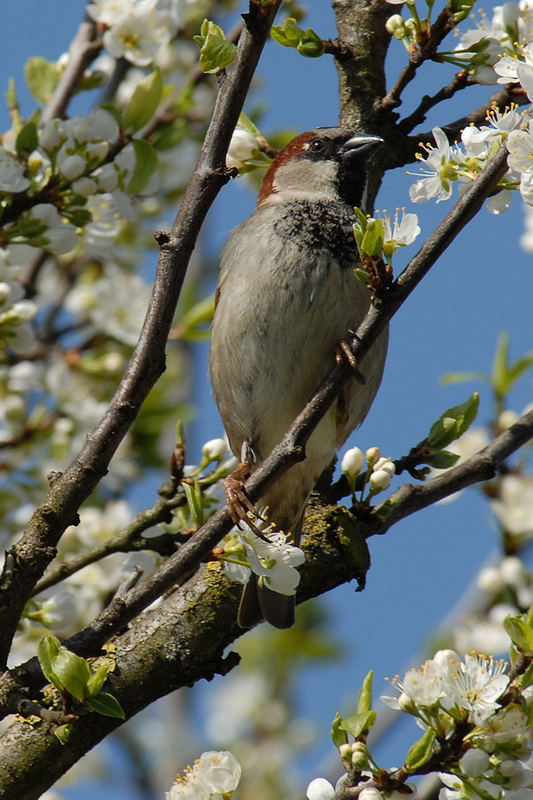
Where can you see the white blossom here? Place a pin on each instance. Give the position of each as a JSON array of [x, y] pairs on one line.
[[12, 178], [274, 559], [475, 685], [514, 507], [214, 772], [242, 148], [439, 174]]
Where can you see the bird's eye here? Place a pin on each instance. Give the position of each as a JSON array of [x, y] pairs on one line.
[[317, 145]]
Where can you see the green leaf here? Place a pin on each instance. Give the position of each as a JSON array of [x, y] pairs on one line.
[[441, 459], [200, 313], [145, 165], [500, 376], [194, 499], [42, 77], [453, 423], [373, 238], [338, 734], [216, 53], [107, 705], [63, 732], [310, 45], [419, 753], [362, 275], [28, 139], [504, 374], [526, 679], [364, 702], [73, 671], [289, 34], [47, 650], [97, 679], [359, 724], [520, 633], [461, 377], [143, 102]]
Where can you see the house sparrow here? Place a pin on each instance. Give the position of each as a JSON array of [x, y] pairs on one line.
[[287, 296]]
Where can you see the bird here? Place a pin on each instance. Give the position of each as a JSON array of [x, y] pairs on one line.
[[286, 298]]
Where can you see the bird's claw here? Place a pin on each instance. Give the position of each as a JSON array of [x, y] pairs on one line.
[[344, 353], [240, 507]]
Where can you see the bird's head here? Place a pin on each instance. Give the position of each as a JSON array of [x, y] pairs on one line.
[[322, 164]]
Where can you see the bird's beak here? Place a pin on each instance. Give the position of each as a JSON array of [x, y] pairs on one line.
[[360, 144]]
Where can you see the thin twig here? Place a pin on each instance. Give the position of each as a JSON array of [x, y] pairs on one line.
[[81, 52]]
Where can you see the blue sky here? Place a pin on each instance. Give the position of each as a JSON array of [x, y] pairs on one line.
[[482, 285]]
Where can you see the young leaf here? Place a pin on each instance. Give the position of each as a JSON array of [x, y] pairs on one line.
[[97, 679], [310, 44], [107, 705], [42, 77], [216, 53], [338, 734], [27, 140], [359, 724], [145, 165], [419, 753], [289, 34], [73, 671], [441, 459], [364, 701], [63, 732], [453, 423], [47, 650], [520, 633], [143, 102]]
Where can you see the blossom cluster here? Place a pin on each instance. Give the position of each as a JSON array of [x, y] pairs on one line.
[[464, 705], [138, 30], [445, 164], [379, 472]]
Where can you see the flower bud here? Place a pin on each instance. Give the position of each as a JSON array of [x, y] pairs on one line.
[[385, 464], [379, 481], [360, 756], [372, 455], [352, 462], [490, 580], [24, 310], [72, 167], [52, 135], [512, 571], [320, 789], [506, 419], [214, 449], [84, 186], [345, 751], [395, 25]]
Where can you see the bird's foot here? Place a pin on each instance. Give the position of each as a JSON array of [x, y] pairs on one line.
[[344, 353], [240, 507]]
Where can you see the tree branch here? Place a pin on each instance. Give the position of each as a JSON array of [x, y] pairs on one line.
[[82, 51]]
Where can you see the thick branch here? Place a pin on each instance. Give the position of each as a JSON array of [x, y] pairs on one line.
[[184, 639], [29, 558]]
